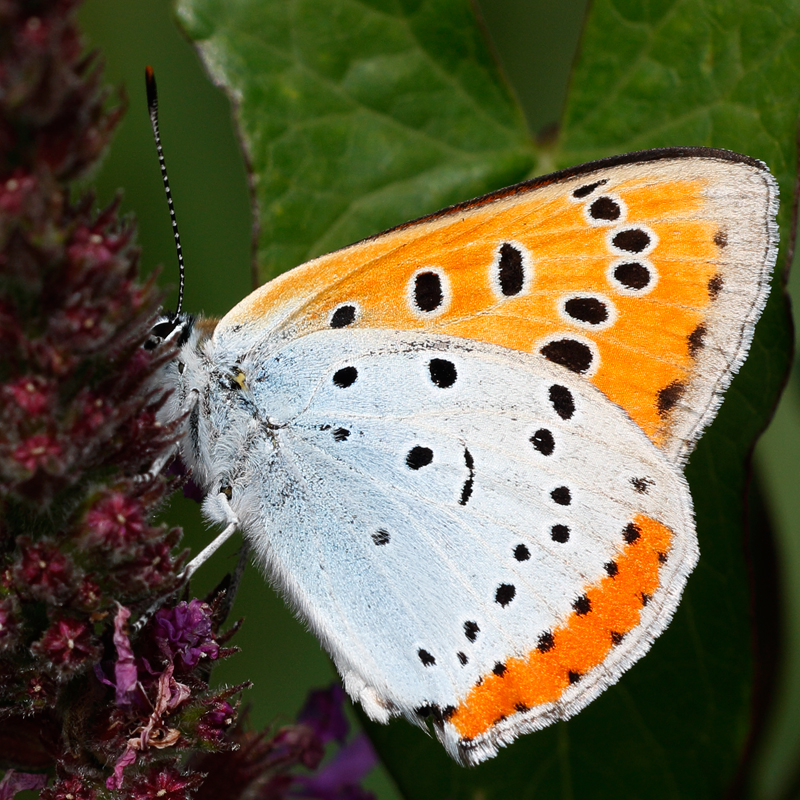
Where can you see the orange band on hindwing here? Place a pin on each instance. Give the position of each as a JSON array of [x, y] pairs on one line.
[[607, 611]]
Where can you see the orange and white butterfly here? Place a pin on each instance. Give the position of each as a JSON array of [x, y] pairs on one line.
[[456, 447]]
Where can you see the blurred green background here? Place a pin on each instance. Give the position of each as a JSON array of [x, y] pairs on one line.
[[212, 198]]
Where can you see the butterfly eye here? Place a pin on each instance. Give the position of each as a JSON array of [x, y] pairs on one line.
[[181, 367]]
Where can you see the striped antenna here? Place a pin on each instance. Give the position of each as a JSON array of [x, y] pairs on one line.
[[152, 108]]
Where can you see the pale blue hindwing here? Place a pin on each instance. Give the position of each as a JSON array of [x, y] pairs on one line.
[[387, 550]]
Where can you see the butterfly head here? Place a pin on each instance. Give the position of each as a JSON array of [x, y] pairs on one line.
[[171, 328]]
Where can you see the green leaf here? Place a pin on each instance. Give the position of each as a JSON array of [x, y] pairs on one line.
[[359, 115]]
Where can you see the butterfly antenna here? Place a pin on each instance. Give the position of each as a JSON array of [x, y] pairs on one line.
[[152, 108]]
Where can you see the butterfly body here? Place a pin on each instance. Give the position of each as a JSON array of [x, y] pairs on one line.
[[457, 447]]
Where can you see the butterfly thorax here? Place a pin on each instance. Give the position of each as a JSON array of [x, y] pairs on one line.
[[203, 392]]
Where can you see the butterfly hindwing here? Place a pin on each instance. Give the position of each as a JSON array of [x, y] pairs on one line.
[[432, 507]]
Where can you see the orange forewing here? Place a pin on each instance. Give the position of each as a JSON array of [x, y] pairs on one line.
[[647, 349]]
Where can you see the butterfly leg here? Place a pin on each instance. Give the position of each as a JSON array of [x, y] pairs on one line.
[[231, 526]]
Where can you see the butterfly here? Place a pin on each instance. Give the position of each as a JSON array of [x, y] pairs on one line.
[[457, 447]]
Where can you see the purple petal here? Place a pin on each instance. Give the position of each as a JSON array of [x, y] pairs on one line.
[[340, 777], [125, 674], [324, 714], [128, 757], [14, 782], [101, 676]]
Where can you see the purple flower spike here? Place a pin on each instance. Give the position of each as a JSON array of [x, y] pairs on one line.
[[184, 633], [125, 674], [324, 714]]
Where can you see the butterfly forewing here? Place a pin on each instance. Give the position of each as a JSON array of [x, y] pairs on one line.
[[661, 259]]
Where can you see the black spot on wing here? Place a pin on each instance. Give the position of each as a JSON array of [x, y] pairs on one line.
[[696, 342], [419, 457], [546, 642], [543, 441], [587, 309], [559, 533], [633, 275], [631, 533], [344, 377], [381, 537], [510, 270], [605, 208], [669, 396], [505, 594], [582, 605], [715, 285], [466, 489], [587, 189], [632, 240], [428, 292], [426, 658], [561, 495], [562, 401], [343, 316], [570, 353], [443, 372]]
